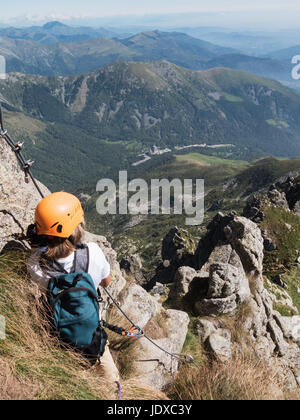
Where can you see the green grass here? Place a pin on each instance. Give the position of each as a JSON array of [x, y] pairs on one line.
[[193, 347], [292, 279], [287, 240], [278, 124], [206, 160], [232, 98]]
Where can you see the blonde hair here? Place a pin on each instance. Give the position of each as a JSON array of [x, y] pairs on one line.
[[61, 248]]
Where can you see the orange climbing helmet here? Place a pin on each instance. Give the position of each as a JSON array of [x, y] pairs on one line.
[[58, 214]]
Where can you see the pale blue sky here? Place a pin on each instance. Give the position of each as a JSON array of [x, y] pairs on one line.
[[65, 9]]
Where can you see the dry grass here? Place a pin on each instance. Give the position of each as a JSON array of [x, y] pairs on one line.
[[32, 362], [244, 378]]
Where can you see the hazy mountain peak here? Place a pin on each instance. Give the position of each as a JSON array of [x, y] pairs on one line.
[[54, 24]]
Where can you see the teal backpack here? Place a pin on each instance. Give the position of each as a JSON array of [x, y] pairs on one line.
[[74, 305]]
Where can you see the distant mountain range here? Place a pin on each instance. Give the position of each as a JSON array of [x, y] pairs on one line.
[[40, 50], [161, 103], [256, 43], [53, 32], [285, 54]]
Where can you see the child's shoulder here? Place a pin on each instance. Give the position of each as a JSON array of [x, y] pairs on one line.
[[94, 247], [37, 252]]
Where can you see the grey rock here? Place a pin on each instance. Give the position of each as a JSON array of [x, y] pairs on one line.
[[155, 367], [291, 327], [183, 280], [277, 337], [269, 245], [159, 289], [278, 280], [253, 210], [246, 238], [264, 347], [18, 200], [177, 245], [205, 328], [278, 199], [219, 343], [226, 280], [139, 305], [216, 307], [132, 265]]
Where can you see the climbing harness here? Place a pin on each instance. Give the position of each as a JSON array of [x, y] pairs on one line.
[[26, 165], [136, 332]]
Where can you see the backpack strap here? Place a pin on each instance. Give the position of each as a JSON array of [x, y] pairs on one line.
[[81, 263], [82, 260], [51, 268]]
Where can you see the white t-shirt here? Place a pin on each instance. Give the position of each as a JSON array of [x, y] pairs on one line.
[[99, 267]]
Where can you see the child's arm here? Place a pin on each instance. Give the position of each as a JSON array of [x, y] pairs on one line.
[[105, 282]]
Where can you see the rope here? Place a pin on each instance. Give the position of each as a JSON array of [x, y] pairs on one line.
[[120, 391], [187, 358], [16, 148]]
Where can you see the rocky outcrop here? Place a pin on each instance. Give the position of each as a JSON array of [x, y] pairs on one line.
[[177, 250], [215, 338], [17, 199], [254, 210], [291, 190], [167, 328], [133, 267], [285, 193], [177, 246], [231, 254]]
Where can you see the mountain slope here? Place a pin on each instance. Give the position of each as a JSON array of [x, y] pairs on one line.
[[25, 55], [164, 104], [83, 128], [285, 54], [266, 67], [28, 54], [61, 59], [178, 48]]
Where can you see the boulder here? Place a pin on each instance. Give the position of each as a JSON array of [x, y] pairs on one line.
[[226, 280], [253, 210], [219, 343], [214, 237], [185, 277], [216, 307], [278, 199], [246, 239], [205, 327], [177, 246], [228, 285], [154, 366], [139, 304], [297, 208], [291, 327], [133, 267]]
